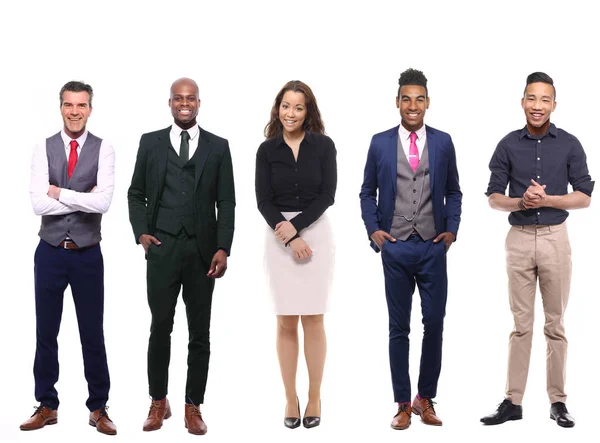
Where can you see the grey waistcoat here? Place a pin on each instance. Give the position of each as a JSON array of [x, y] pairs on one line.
[[82, 227], [413, 209]]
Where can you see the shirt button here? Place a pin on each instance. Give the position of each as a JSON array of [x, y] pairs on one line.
[[414, 190], [538, 213], [296, 184], [539, 141], [295, 169], [414, 202], [414, 179], [414, 213], [297, 198], [538, 176], [538, 158]]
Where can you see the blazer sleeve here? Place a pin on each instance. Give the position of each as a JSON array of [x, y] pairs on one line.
[[453, 193], [136, 194], [225, 202], [368, 192]]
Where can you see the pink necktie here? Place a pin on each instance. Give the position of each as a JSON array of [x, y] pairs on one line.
[[413, 152]]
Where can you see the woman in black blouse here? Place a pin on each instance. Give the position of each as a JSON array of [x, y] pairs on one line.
[[296, 178]]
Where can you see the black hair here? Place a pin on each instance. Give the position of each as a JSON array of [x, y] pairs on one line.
[[540, 77], [412, 77]]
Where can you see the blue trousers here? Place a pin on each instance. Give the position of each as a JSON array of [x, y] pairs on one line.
[[406, 263], [83, 270]]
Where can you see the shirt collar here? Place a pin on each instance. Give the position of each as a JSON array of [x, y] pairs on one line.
[[552, 130], [193, 131], [67, 140], [404, 133], [308, 138]]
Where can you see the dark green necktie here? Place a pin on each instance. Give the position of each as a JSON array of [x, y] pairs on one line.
[[184, 149]]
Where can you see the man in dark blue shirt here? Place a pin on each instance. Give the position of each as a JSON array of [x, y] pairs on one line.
[[537, 163]]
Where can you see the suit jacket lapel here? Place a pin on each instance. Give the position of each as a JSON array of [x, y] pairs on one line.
[[164, 145], [201, 156], [392, 157], [431, 152]]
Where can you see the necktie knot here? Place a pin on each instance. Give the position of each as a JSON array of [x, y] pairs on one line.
[[74, 145], [413, 137], [185, 136]]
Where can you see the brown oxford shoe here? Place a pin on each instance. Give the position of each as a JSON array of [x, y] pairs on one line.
[[101, 421], [42, 416], [160, 410], [402, 419], [193, 420], [424, 408]]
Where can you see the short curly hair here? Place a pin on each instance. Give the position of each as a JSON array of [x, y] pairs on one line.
[[412, 77]]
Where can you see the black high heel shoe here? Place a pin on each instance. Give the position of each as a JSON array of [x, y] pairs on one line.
[[312, 421], [292, 422]]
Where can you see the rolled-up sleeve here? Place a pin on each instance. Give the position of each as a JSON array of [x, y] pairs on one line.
[[500, 171], [579, 176]]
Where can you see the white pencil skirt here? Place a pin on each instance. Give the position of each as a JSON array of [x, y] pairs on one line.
[[301, 287]]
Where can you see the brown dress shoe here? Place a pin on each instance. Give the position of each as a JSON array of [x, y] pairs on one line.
[[424, 408], [160, 410], [402, 419], [42, 416], [193, 420], [100, 420]]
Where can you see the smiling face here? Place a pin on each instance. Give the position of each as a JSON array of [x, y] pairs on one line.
[[412, 101], [184, 102], [538, 103], [75, 110], [292, 112]]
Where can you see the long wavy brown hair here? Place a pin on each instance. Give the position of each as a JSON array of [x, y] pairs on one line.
[[312, 122]]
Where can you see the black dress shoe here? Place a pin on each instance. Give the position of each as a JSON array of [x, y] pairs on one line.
[[312, 421], [292, 422], [559, 413], [506, 411]]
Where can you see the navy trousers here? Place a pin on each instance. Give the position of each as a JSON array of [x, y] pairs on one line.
[[83, 270], [404, 264]]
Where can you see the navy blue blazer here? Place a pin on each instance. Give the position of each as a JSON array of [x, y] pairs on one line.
[[380, 175]]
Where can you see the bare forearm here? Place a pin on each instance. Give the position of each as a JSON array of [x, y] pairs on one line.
[[504, 203], [574, 200]]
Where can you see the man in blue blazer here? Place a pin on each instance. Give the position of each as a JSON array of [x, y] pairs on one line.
[[413, 222]]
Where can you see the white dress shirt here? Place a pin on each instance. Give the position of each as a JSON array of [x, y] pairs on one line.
[[175, 136], [404, 135], [69, 200]]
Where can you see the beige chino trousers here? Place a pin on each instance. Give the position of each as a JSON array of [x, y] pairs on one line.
[[538, 252]]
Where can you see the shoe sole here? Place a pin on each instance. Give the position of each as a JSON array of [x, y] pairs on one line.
[[167, 416], [49, 422], [400, 428], [500, 422], [416, 412], [91, 423], [562, 426]]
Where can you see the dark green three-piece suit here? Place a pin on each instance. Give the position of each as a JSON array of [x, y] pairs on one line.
[[175, 201]]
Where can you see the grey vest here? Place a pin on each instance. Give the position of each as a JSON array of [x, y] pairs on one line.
[[413, 209], [82, 227], [176, 210]]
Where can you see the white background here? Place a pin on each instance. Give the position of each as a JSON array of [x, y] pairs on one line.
[[476, 57]]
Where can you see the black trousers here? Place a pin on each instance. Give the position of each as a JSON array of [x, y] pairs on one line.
[[173, 264]]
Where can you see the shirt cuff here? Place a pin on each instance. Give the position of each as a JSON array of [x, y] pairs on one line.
[[66, 196]]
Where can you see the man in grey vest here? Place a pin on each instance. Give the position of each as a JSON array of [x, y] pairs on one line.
[[181, 176], [411, 205], [72, 182]]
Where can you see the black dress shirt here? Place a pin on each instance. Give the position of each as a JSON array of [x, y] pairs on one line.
[[284, 184], [555, 160]]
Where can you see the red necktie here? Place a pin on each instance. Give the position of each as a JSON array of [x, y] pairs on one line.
[[73, 157]]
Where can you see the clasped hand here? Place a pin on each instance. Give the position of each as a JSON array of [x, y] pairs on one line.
[[534, 196]]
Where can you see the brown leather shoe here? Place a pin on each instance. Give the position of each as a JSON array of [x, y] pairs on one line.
[[101, 421], [42, 416], [193, 420], [160, 410], [402, 419], [424, 408]]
